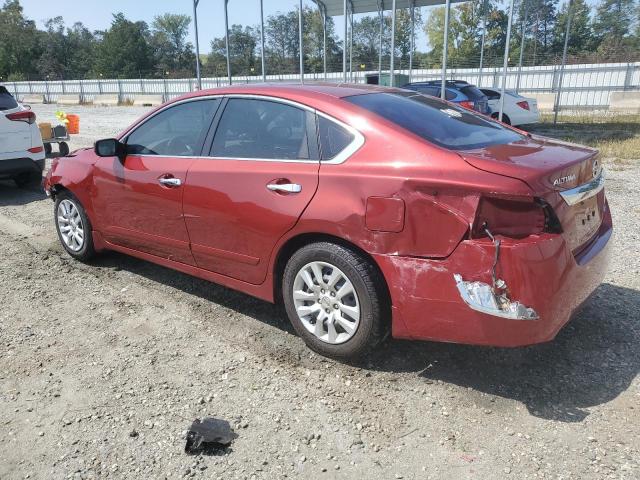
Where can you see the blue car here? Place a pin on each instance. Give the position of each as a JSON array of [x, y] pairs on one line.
[[456, 91]]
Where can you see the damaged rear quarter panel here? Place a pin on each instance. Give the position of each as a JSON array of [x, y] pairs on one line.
[[439, 190]]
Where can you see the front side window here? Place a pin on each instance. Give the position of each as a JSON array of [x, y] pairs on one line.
[[261, 129], [333, 138], [176, 131], [436, 121]]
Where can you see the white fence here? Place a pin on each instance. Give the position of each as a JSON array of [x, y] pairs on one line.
[[585, 86]]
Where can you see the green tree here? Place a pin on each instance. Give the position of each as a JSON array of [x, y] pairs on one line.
[[124, 51], [242, 53], [313, 42], [403, 34], [66, 52], [172, 52], [581, 38], [613, 23], [434, 29], [366, 42], [19, 43]]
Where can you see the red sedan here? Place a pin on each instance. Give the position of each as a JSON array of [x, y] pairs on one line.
[[365, 210]]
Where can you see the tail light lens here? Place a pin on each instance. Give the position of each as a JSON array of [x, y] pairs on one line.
[[514, 218], [467, 104], [524, 105], [26, 116]]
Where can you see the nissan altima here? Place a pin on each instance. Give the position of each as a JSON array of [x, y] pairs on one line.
[[365, 210]]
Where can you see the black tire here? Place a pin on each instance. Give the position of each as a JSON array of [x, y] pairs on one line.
[[371, 293], [47, 149], [87, 251], [64, 149], [505, 118]]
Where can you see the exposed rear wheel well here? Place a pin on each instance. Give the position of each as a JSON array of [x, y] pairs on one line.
[[297, 242], [56, 189]]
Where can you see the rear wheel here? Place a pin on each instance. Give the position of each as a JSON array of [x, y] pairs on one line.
[[74, 229], [334, 299], [505, 118], [64, 149]]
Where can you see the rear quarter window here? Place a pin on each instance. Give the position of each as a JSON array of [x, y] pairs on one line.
[[333, 138], [474, 93], [437, 122], [7, 102]]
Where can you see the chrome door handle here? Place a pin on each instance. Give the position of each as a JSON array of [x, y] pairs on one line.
[[170, 182], [285, 187]]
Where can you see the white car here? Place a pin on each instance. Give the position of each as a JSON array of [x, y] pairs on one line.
[[21, 151], [518, 110]]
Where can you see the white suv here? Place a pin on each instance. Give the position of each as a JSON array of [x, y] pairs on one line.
[[21, 151]]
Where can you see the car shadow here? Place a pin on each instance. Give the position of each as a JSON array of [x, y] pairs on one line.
[[591, 361], [262, 311], [10, 194]]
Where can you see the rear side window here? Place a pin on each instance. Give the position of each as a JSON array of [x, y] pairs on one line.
[[261, 129], [176, 131], [491, 94], [7, 102], [435, 121], [474, 93], [333, 138]]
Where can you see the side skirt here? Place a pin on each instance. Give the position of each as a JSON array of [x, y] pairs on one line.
[[263, 291]]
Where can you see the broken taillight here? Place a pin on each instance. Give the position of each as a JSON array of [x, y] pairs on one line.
[[26, 116], [514, 218]]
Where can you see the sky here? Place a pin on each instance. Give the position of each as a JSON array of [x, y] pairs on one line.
[[97, 14]]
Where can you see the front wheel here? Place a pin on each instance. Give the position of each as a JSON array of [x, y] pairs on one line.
[[74, 229], [335, 299]]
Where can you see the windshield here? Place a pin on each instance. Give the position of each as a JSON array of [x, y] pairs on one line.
[[436, 121]]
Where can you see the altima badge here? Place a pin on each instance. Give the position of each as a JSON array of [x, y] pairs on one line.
[[565, 179]]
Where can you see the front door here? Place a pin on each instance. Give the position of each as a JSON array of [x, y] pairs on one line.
[[139, 198], [261, 173]]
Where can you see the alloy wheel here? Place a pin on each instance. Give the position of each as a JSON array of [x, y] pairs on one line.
[[326, 302], [70, 225]]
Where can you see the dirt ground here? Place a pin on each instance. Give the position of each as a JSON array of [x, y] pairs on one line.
[[104, 366]]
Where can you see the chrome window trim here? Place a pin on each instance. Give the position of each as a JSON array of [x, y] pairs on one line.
[[584, 191], [166, 107], [354, 146]]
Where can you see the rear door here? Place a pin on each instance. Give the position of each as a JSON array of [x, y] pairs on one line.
[[261, 173], [138, 200]]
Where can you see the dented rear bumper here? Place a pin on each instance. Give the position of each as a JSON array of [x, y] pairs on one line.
[[540, 272]]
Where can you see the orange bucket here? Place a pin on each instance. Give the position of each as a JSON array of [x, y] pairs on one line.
[[73, 127]]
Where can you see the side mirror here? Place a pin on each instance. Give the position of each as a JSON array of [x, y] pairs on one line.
[[109, 147]]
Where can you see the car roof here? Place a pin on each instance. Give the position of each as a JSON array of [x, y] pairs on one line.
[[312, 90], [450, 83]]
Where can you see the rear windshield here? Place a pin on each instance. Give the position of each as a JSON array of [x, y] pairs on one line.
[[7, 102], [436, 121], [474, 93]]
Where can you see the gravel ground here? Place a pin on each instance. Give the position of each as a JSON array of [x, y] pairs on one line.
[[104, 366]]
